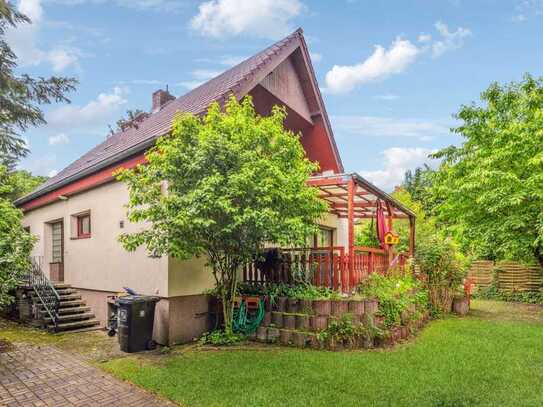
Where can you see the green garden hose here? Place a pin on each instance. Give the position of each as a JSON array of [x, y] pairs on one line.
[[242, 323]]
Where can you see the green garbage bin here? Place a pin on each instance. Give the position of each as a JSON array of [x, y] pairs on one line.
[[136, 320]]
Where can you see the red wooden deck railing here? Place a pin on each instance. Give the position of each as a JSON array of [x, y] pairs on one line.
[[324, 266]]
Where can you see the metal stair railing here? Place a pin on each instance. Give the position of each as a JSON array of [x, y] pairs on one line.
[[45, 291]]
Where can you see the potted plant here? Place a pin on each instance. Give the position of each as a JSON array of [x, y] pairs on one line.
[[273, 334], [299, 339], [285, 337], [289, 321], [371, 306], [277, 319], [322, 306], [319, 322], [460, 305], [262, 334], [302, 322], [292, 305], [339, 307], [356, 307]]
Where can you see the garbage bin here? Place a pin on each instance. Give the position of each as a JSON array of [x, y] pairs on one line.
[[136, 319]]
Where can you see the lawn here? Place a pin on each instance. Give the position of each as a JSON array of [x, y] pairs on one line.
[[492, 357]]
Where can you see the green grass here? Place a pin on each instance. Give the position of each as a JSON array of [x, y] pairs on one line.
[[493, 357]]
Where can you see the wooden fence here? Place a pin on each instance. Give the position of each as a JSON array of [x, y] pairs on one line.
[[323, 266], [509, 276]]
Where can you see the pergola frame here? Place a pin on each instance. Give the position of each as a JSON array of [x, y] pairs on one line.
[[352, 197]]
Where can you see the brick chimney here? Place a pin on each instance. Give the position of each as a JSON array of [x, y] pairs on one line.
[[160, 98]]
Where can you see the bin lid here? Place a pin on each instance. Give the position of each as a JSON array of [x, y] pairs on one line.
[[129, 299]]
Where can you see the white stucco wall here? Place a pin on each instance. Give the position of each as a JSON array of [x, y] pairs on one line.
[[99, 262]]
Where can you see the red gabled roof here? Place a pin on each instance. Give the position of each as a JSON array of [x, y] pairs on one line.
[[238, 80]]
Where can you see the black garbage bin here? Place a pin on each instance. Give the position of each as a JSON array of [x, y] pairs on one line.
[[136, 318]]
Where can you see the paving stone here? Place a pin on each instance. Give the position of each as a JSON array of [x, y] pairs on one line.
[[46, 376]]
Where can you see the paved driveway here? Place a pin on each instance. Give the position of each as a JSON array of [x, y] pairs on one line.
[[33, 375]]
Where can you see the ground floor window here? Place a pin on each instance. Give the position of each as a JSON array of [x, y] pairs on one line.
[[83, 225]]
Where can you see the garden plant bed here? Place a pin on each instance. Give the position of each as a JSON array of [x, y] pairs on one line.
[[306, 324]]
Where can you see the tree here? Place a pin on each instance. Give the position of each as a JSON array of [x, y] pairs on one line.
[[425, 224], [418, 183], [123, 122], [22, 182], [490, 188], [21, 95], [366, 234], [15, 245], [223, 186]]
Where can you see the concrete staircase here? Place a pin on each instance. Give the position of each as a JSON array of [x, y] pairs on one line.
[[73, 313]]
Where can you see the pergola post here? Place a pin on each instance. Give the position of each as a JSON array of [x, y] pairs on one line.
[[411, 236], [350, 227]]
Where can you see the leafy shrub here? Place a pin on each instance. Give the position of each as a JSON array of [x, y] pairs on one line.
[[395, 294], [343, 330], [299, 291], [220, 338], [443, 268]]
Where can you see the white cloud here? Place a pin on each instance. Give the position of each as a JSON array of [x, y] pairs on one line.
[[198, 77], [315, 57], [372, 126], [387, 96], [159, 5], [397, 160], [379, 65], [52, 173], [189, 84], [449, 40], [526, 9], [93, 115], [60, 138], [424, 38], [263, 18], [402, 53], [24, 41], [231, 60], [146, 82], [39, 164], [205, 74]]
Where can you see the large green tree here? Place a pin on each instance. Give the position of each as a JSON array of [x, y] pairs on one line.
[[20, 100], [21, 95], [21, 182], [490, 189], [15, 244], [223, 186]]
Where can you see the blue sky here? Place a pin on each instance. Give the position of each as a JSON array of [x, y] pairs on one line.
[[392, 72]]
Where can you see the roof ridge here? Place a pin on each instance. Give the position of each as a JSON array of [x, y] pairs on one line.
[[195, 101]]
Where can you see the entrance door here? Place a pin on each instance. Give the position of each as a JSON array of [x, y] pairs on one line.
[[56, 267]]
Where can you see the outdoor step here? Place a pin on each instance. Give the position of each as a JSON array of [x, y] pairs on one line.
[[66, 326], [72, 317], [67, 304], [68, 310], [61, 286], [73, 310], [66, 291], [70, 297]]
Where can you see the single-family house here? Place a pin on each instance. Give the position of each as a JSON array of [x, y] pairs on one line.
[[78, 214]]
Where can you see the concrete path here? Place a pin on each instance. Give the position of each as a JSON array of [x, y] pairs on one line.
[[33, 375]]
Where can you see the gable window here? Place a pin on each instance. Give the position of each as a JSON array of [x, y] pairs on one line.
[[83, 225]]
